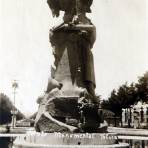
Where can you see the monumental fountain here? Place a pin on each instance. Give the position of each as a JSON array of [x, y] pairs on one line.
[[69, 112]]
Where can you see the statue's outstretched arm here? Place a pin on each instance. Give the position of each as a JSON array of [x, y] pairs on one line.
[[71, 128]]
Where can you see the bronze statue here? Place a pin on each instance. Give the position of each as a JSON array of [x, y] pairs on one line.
[[77, 34]]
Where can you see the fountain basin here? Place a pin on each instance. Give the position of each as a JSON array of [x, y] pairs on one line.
[[69, 140]]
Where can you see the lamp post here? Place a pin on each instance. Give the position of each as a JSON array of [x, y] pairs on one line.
[[14, 111]]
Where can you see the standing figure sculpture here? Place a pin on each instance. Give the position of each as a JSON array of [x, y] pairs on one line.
[[76, 35]]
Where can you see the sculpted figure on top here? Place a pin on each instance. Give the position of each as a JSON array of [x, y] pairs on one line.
[[76, 34], [70, 7]]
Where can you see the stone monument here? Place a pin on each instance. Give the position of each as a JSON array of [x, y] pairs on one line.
[[69, 110], [70, 103]]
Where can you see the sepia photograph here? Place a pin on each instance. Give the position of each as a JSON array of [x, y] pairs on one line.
[[73, 74]]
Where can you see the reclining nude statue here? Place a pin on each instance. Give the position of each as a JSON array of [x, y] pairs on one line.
[[70, 96]]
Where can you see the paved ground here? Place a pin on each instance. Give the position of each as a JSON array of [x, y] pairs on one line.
[[119, 131], [21, 130], [16, 130], [129, 131]]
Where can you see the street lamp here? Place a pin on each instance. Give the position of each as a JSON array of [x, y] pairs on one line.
[[14, 111]]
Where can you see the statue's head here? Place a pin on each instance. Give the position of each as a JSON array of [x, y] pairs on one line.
[[72, 7]]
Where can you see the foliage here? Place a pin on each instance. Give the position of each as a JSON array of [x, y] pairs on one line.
[[5, 110], [125, 95], [142, 87]]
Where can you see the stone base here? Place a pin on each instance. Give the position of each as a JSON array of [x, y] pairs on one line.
[[69, 140], [123, 145]]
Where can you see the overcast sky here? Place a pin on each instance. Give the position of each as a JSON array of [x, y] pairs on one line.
[[120, 51]]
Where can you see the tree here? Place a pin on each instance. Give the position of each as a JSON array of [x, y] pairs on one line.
[[5, 110], [142, 88], [124, 97], [127, 95], [111, 103]]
